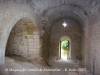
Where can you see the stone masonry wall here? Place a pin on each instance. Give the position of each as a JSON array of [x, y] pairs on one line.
[[24, 41], [18, 41], [95, 48], [73, 31]]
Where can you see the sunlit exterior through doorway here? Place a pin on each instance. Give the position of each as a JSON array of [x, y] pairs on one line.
[[64, 49]]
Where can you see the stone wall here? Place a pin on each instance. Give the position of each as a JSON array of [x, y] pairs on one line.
[[73, 31], [24, 40], [10, 14], [94, 56], [46, 43], [18, 41]]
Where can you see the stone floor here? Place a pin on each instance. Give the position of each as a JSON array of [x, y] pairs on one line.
[[69, 67], [59, 67], [65, 67], [21, 66]]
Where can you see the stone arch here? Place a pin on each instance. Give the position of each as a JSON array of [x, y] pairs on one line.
[[26, 35], [65, 38], [7, 32], [68, 15], [13, 18], [74, 10], [58, 31]]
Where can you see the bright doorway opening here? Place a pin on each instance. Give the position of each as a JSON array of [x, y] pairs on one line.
[[64, 49]]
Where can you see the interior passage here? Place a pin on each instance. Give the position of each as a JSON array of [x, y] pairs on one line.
[[49, 34]]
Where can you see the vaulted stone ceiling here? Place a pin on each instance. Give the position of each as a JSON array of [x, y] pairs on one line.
[[45, 5], [52, 11]]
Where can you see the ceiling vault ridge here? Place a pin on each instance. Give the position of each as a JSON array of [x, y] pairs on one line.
[[65, 10], [65, 6]]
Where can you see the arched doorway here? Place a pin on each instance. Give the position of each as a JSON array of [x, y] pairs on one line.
[[65, 48], [24, 40]]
